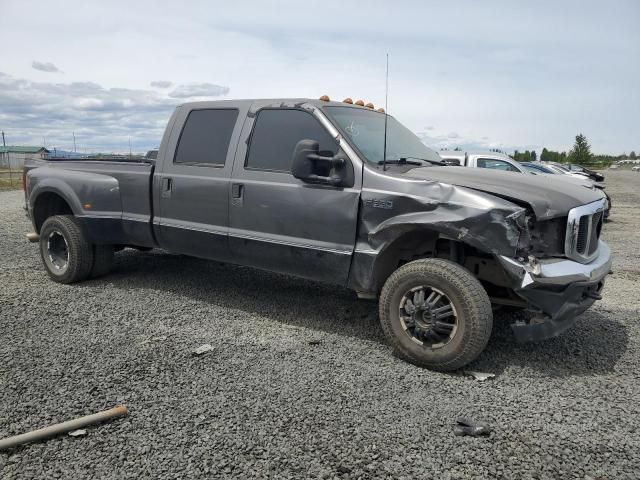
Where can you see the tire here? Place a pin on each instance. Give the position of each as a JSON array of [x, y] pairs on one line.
[[418, 337], [62, 233], [102, 260]]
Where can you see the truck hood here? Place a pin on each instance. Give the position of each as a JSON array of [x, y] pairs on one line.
[[546, 196]]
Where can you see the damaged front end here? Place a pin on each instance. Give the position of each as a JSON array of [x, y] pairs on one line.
[[559, 287], [523, 259]]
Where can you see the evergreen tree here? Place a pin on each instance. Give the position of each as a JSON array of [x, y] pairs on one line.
[[581, 152], [632, 155], [545, 156], [534, 156]]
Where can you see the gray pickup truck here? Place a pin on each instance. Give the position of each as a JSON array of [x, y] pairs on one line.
[[303, 187]]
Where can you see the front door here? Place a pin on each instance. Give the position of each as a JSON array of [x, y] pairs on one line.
[[278, 222], [194, 185]]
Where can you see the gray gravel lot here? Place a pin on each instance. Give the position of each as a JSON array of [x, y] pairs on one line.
[[267, 403]]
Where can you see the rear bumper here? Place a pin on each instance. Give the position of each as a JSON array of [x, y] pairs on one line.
[[558, 288]]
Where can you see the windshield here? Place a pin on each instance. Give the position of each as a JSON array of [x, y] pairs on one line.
[[538, 168], [365, 129]]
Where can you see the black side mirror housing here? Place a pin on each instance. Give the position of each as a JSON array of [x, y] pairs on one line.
[[311, 165]]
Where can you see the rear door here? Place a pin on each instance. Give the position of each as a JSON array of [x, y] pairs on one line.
[[193, 186], [278, 222]]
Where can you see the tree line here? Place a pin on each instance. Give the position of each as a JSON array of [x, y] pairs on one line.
[[580, 154]]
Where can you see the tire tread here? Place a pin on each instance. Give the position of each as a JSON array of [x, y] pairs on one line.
[[80, 266], [472, 296]]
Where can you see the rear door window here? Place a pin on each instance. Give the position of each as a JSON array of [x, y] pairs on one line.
[[205, 138], [276, 133]]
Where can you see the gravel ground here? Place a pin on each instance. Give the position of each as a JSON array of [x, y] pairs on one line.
[[300, 382]]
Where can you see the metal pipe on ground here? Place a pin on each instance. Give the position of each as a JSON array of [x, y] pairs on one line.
[[63, 427]]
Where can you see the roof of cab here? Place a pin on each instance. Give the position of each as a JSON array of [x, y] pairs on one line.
[[274, 101]]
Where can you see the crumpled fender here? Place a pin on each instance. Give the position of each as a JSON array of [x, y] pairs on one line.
[[393, 205], [492, 231]]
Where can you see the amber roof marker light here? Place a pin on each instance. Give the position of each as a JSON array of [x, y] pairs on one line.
[[325, 98], [360, 103], [369, 105], [348, 100]]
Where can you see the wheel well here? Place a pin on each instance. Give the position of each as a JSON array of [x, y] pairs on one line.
[[47, 205], [430, 244], [407, 247]]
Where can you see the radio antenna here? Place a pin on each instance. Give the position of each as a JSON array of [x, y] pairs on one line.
[[386, 98]]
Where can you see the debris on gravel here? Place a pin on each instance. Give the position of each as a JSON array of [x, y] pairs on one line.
[[466, 426], [271, 406], [479, 376], [202, 349]]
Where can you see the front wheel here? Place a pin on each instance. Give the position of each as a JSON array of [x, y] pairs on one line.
[[435, 314]]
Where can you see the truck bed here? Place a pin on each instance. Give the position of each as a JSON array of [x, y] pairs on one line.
[[114, 195]]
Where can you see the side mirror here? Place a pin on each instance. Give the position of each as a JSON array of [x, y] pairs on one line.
[[310, 166]]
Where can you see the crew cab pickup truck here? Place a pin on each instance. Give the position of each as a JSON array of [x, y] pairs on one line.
[[339, 193]]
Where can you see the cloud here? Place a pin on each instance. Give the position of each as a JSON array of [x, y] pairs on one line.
[[102, 118], [45, 67], [452, 140], [198, 90], [161, 84]]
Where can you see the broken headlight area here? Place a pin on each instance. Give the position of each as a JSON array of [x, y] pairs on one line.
[[542, 238]]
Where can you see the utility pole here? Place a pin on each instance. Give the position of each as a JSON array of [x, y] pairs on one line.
[[74, 141], [129, 148], [6, 152]]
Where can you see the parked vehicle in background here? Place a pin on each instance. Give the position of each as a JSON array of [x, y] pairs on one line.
[[308, 188], [635, 169], [151, 155], [564, 170], [491, 160], [593, 175], [500, 161]]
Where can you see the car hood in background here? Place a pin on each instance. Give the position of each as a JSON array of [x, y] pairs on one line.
[[548, 197]]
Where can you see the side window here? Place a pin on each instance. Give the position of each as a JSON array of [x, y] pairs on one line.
[[496, 165], [205, 137], [276, 133]]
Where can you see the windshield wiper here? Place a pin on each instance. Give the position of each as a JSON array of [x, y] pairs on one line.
[[411, 161]]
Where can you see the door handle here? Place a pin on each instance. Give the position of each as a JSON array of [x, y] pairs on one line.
[[167, 186], [236, 190], [237, 193]]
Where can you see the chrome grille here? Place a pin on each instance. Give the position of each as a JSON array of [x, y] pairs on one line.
[[583, 231], [596, 227], [584, 225]]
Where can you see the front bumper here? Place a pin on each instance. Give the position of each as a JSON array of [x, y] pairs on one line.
[[559, 289]]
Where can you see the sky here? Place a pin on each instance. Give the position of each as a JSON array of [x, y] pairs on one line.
[[490, 74]]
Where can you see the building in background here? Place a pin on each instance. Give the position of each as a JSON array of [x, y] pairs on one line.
[[14, 157]]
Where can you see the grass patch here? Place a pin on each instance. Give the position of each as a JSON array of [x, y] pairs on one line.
[[6, 184]]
